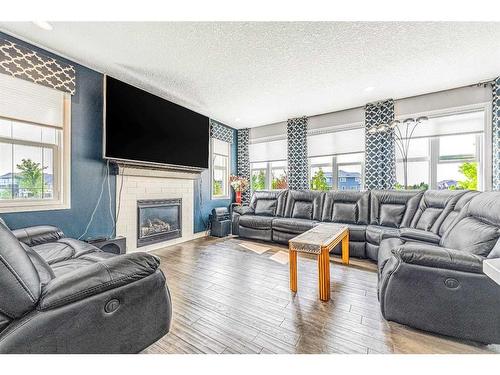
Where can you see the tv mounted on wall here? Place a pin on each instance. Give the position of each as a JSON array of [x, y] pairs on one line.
[[142, 128]]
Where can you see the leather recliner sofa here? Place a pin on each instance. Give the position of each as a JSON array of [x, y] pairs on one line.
[[429, 247], [60, 295]]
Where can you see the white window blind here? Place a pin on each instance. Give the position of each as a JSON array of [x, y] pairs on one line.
[[339, 142], [268, 151], [463, 123], [27, 101]]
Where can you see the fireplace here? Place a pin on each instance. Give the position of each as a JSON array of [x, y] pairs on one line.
[[158, 220]]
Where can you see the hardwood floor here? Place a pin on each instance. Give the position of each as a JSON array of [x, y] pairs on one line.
[[228, 299]]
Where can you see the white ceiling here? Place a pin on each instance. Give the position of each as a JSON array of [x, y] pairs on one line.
[[247, 74]]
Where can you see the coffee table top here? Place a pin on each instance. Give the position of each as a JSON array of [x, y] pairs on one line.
[[322, 235], [491, 267]]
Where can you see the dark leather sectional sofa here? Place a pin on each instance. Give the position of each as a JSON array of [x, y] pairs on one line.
[[429, 247], [60, 295]]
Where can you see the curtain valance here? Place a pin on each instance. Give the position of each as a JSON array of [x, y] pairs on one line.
[[22, 62]]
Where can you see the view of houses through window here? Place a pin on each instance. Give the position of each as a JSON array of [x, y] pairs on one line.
[[337, 172], [27, 162], [443, 160]]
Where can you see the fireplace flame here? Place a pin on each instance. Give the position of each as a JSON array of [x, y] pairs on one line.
[[154, 226]]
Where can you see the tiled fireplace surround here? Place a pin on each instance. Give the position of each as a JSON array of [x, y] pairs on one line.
[[139, 184]]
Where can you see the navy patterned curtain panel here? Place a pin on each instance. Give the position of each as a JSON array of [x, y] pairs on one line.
[[380, 155], [221, 132], [244, 161], [24, 63], [496, 133], [297, 153]]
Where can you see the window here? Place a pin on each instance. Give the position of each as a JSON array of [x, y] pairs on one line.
[[336, 159], [446, 153], [220, 168], [337, 172], [269, 175], [278, 174], [268, 165], [34, 146]]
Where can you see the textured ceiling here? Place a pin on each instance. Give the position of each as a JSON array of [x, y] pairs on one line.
[[250, 74]]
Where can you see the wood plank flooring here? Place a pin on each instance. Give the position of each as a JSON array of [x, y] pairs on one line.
[[228, 299]]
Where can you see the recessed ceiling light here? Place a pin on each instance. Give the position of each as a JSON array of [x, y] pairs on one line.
[[369, 88], [43, 25], [237, 119]]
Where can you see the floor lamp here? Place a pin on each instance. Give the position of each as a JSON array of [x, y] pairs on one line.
[[403, 134]]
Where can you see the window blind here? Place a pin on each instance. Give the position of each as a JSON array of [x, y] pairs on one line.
[[472, 122], [339, 142], [268, 151], [27, 101]]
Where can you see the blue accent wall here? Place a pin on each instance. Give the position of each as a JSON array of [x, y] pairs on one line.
[[87, 165], [203, 204]]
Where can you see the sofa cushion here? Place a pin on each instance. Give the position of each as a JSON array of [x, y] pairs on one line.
[[19, 279], [357, 232], [44, 270], [346, 207], [266, 207], [69, 265], [302, 210], [477, 228], [450, 214], [268, 202], [289, 225], [393, 208], [304, 205], [433, 208], [54, 252], [345, 213], [256, 222], [375, 233], [391, 215], [64, 249]]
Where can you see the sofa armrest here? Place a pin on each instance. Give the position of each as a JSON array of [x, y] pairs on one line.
[[96, 278], [38, 235], [243, 210], [439, 257], [411, 234]]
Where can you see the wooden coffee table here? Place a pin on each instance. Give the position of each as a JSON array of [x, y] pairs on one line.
[[319, 240]]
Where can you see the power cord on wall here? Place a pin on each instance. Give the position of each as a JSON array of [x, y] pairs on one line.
[[200, 197], [106, 178], [119, 203]]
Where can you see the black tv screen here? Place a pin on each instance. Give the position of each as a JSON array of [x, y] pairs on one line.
[[144, 128]]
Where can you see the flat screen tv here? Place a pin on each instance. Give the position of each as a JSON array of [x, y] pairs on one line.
[[143, 128]]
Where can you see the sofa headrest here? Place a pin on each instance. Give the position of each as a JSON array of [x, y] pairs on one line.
[[19, 280], [268, 202], [304, 204], [486, 207], [451, 212], [394, 208], [439, 198], [434, 207], [476, 228], [346, 206]]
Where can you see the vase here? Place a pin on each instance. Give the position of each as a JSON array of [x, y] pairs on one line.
[[238, 197]]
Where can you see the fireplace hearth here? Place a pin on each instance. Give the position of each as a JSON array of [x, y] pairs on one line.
[[158, 220]]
